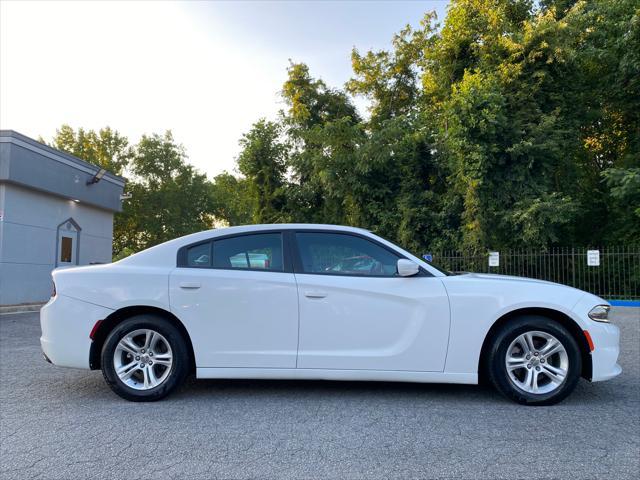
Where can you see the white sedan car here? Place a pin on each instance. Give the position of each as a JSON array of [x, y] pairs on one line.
[[320, 302]]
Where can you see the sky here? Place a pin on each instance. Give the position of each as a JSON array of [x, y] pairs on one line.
[[206, 70]]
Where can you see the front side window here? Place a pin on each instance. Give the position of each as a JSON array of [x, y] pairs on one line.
[[254, 252], [340, 254]]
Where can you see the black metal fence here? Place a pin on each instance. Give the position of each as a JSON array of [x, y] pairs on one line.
[[612, 273]]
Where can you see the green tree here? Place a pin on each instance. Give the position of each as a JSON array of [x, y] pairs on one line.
[[232, 199], [263, 162], [169, 198], [322, 126], [389, 78], [402, 189], [105, 148]]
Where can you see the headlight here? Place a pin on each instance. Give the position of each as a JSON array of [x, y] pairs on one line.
[[600, 313]]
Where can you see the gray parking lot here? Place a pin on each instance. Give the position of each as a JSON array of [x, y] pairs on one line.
[[62, 423]]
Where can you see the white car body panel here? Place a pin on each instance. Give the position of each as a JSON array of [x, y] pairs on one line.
[[372, 323], [227, 316], [338, 375], [103, 285], [66, 324], [478, 300], [265, 324]]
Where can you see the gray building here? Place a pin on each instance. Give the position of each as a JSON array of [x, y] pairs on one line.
[[56, 210]]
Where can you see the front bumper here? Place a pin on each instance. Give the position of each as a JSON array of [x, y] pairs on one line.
[[606, 340], [604, 358], [66, 324]]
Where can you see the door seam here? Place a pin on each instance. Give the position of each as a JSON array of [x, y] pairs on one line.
[[298, 298]]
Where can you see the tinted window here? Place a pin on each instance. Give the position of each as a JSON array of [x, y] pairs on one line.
[[340, 254], [199, 255], [256, 252]]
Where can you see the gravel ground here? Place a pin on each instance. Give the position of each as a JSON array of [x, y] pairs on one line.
[[67, 424]]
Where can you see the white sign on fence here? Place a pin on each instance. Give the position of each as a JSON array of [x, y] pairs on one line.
[[593, 258], [494, 259]]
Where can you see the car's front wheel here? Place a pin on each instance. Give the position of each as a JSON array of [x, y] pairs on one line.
[[144, 358], [534, 360]]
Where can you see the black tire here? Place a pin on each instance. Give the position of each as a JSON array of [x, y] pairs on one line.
[[497, 369], [179, 352]]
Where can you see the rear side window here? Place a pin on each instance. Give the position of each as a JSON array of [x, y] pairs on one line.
[[199, 255], [253, 252], [341, 254]]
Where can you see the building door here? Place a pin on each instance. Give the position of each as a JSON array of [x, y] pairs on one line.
[[67, 244]]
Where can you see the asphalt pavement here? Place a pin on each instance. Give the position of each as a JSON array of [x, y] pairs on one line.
[[58, 423]]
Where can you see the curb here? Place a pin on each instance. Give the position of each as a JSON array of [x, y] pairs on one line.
[[31, 307], [625, 303]]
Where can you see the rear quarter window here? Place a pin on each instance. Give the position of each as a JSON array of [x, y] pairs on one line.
[[199, 255]]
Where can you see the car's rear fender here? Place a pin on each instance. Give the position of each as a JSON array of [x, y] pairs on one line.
[[118, 316], [115, 286], [66, 327]]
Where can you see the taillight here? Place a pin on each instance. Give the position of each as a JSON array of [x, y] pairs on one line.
[[53, 292]]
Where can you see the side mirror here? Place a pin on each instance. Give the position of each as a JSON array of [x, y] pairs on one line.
[[406, 268]]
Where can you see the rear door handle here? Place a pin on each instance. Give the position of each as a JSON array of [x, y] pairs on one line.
[[190, 285], [315, 294]]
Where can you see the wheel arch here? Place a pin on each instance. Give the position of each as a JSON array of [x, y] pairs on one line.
[[118, 316], [560, 317]]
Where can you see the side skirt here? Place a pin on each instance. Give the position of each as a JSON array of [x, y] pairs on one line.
[[348, 375]]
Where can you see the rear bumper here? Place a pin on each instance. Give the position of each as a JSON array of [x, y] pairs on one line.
[[66, 324]]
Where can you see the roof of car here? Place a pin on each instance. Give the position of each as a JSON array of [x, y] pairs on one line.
[[299, 226], [270, 226]]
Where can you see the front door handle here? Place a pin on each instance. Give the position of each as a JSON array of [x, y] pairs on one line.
[[190, 285], [315, 294]]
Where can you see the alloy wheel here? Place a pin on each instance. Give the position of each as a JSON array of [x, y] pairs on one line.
[[537, 362], [143, 359]]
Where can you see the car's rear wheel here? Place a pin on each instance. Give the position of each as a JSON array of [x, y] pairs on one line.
[[144, 358], [534, 360]]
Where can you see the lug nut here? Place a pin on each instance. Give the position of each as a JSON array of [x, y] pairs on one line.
[[142, 365], [150, 362], [528, 357], [536, 353], [143, 351], [542, 360], [538, 369], [151, 354], [137, 357], [529, 365]]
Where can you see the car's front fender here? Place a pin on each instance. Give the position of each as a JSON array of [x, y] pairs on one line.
[[478, 302]]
